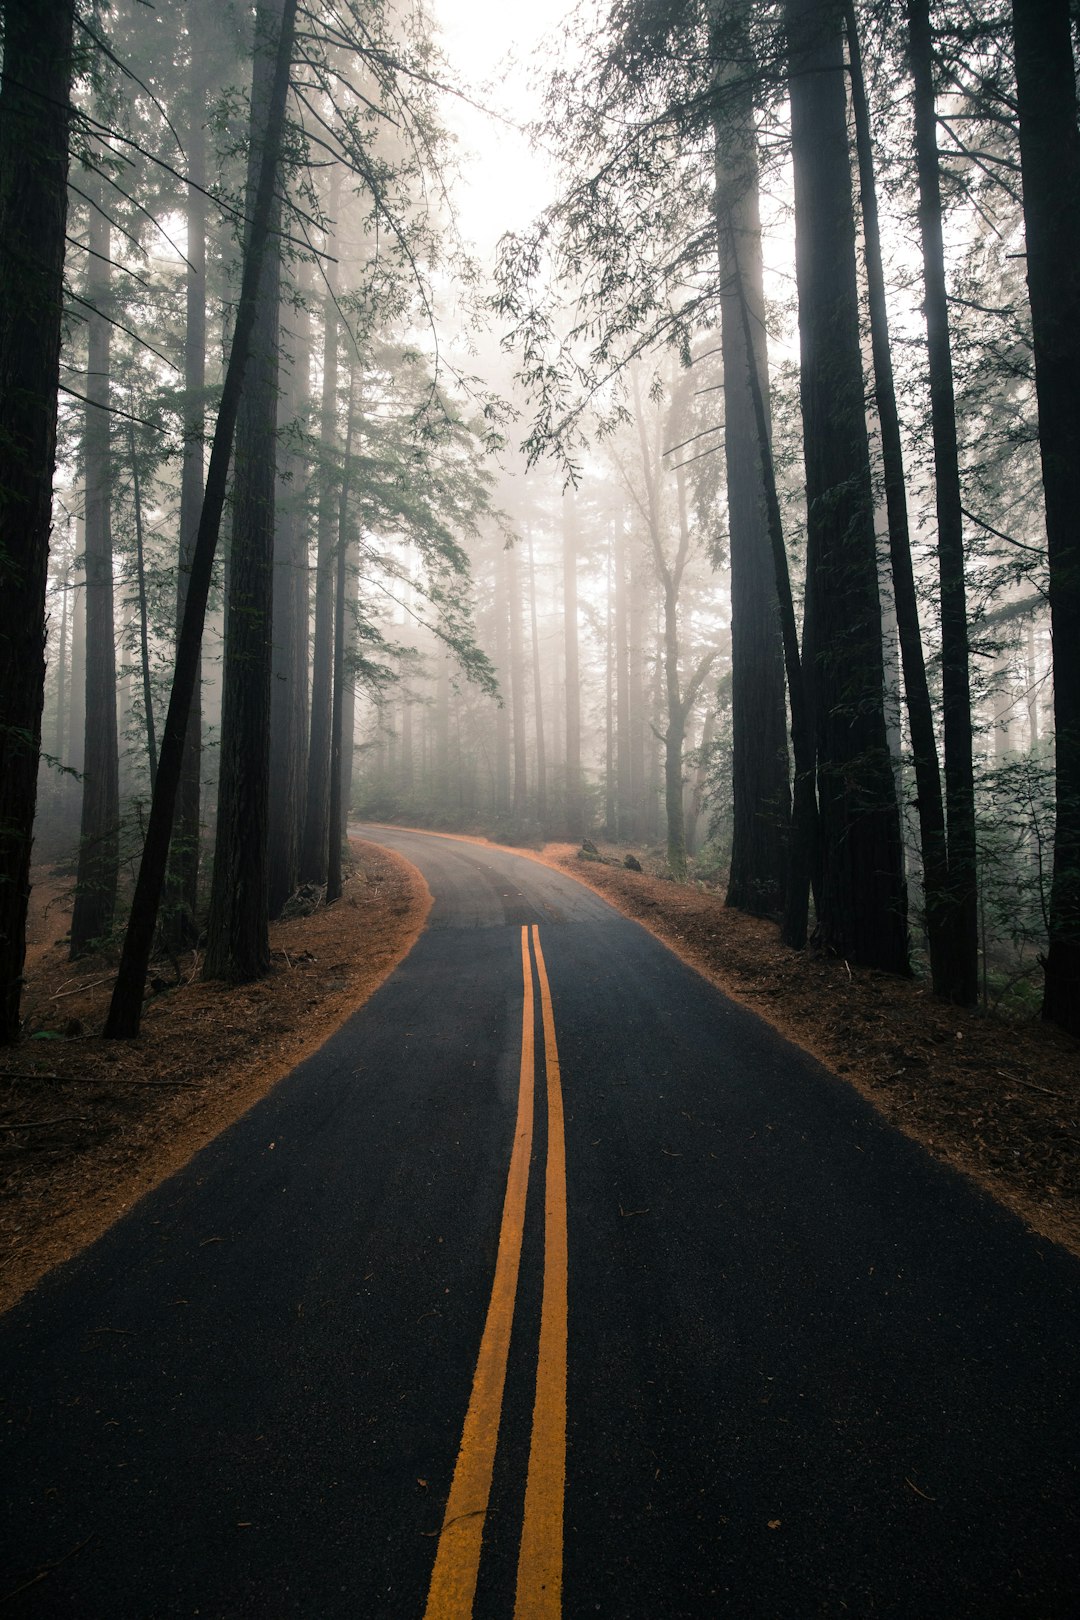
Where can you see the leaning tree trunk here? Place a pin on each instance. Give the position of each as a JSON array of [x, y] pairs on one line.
[[238, 938], [34, 120], [862, 913], [1050, 163], [179, 924], [126, 1006], [99, 832], [761, 795], [960, 909]]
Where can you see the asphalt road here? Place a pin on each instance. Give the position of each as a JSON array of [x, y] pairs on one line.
[[553, 1273]]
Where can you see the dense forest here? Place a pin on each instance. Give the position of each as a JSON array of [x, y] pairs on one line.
[[730, 513]]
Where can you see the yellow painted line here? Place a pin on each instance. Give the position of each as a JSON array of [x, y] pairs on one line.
[[540, 1557], [457, 1560]]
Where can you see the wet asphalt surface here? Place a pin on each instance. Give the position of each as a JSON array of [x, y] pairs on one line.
[[811, 1372]]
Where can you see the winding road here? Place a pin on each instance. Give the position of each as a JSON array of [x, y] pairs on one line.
[[554, 1284]]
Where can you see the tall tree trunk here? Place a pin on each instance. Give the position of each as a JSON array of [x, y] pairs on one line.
[[636, 681], [34, 119], [960, 908], [916, 687], [76, 730], [179, 923], [624, 797], [60, 729], [761, 795], [1050, 163], [501, 782], [238, 940], [575, 787], [99, 832], [336, 803], [316, 811], [126, 1005], [611, 812], [517, 689], [862, 914], [144, 612], [289, 658], [538, 698]]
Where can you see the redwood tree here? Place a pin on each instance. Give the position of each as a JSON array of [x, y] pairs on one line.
[[1050, 162], [862, 910], [34, 122]]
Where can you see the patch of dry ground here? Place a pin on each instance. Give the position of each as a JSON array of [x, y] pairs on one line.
[[998, 1100], [87, 1125]]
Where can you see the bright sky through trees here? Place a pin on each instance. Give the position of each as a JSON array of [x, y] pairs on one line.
[[496, 50]]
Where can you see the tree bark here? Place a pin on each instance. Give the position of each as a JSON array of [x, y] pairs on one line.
[[862, 912], [1050, 164], [99, 832], [316, 809], [538, 698], [517, 690], [761, 795], [288, 755], [179, 924], [916, 687], [238, 939], [959, 903], [336, 802], [575, 787], [34, 125]]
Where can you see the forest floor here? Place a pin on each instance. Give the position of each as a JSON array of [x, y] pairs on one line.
[[87, 1126]]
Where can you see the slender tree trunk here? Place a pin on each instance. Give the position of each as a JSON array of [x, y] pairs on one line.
[[1050, 162], [238, 940], [316, 812], [611, 814], [916, 687], [126, 1005], [538, 698], [636, 678], [501, 783], [34, 128], [60, 730], [288, 756], [179, 923], [862, 914], [517, 690], [624, 797], [761, 795], [77, 723], [336, 817], [575, 787], [99, 832], [144, 612], [960, 907]]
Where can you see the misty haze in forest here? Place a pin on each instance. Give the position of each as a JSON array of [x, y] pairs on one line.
[[722, 513]]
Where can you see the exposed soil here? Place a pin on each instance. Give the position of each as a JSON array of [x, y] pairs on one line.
[[998, 1100], [87, 1126]]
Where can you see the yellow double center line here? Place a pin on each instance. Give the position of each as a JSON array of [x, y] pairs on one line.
[[540, 1557]]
